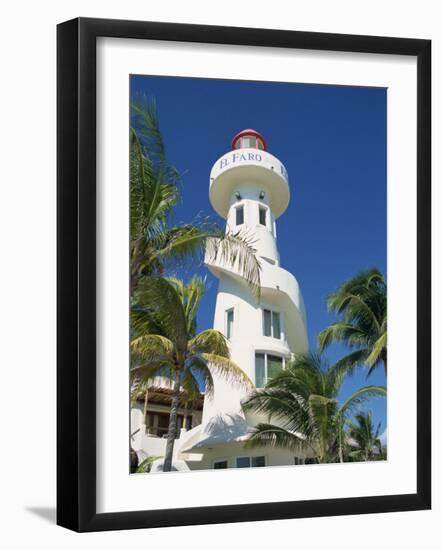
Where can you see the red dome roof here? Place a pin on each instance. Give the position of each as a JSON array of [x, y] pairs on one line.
[[249, 132]]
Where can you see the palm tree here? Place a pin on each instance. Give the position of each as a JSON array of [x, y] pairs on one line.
[[362, 304], [133, 461], [363, 438], [165, 343], [146, 465], [154, 193], [303, 403]]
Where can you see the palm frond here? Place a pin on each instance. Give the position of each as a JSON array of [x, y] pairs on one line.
[[287, 409], [148, 371], [377, 349], [145, 119], [151, 346], [210, 341], [360, 396], [357, 284], [342, 332], [355, 309], [269, 435], [146, 465], [200, 369], [227, 369], [142, 321], [349, 363], [137, 182], [236, 249], [181, 242], [190, 295], [162, 304], [190, 386]]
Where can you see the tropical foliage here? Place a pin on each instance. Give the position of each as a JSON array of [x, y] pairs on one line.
[[303, 411], [361, 303], [146, 465], [363, 438], [154, 193], [165, 342]]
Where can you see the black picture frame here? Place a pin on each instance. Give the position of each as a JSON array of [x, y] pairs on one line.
[[77, 286]]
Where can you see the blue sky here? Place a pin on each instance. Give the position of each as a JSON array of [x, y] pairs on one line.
[[332, 140]]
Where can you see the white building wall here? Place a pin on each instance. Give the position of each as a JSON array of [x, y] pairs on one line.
[[150, 445], [248, 337], [230, 452]]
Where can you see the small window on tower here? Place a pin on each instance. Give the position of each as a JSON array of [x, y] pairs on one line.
[[239, 215], [260, 370], [262, 215], [267, 322], [229, 323], [271, 324], [276, 325], [248, 141]]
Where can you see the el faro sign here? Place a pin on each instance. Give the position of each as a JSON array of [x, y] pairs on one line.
[[253, 157]]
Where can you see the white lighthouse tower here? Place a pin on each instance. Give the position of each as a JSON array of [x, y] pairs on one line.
[[249, 188]]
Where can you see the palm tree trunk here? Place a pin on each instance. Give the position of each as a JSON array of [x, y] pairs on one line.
[[146, 398], [134, 462], [341, 456], [188, 421], [172, 422]]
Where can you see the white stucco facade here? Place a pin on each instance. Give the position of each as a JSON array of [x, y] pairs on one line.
[[249, 188]]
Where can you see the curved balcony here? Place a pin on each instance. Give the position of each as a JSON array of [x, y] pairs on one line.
[[250, 168], [278, 287]]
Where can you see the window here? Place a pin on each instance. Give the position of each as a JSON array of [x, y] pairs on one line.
[[253, 461], [248, 141], [262, 215], [219, 464], [229, 323], [271, 324], [260, 370], [258, 461], [276, 325], [274, 366], [239, 215], [266, 367], [158, 424], [243, 462], [267, 322], [163, 425]]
